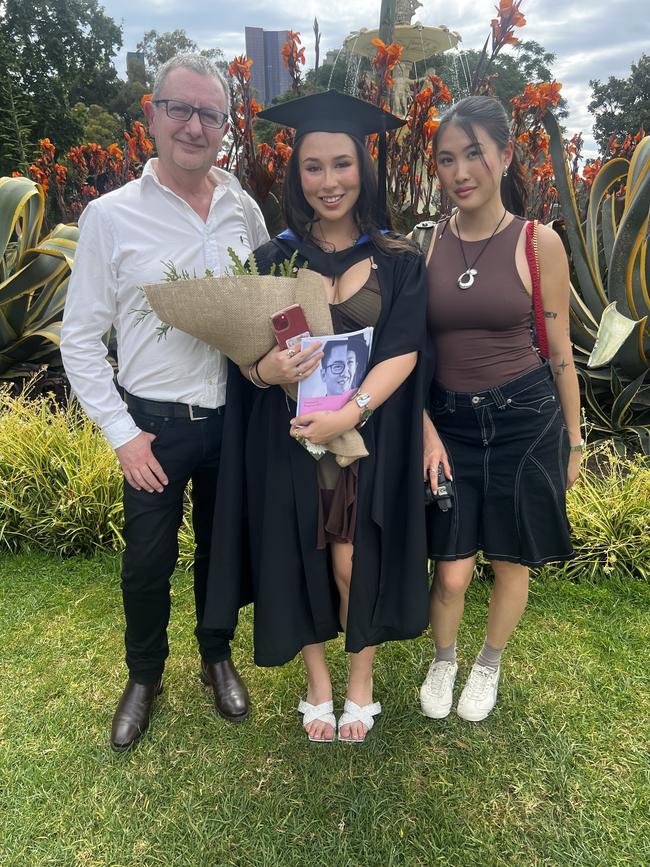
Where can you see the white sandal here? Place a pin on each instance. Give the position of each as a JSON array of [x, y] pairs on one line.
[[352, 712], [323, 713]]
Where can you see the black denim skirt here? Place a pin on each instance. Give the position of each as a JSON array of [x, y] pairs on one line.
[[508, 449]]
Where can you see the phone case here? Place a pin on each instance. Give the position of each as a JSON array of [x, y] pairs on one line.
[[290, 326]]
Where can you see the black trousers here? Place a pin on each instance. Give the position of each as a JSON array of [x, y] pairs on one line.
[[186, 450]]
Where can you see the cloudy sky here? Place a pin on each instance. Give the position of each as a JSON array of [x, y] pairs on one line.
[[591, 38]]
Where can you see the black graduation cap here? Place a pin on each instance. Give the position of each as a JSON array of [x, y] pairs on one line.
[[332, 111]]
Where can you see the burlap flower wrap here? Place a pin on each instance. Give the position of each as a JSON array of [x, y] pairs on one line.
[[233, 314]]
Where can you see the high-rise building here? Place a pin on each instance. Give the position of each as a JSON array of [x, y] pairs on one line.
[[269, 75]]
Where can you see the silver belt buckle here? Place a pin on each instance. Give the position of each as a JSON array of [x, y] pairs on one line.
[[195, 417]]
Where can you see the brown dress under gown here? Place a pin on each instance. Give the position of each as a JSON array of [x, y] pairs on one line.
[[338, 486]]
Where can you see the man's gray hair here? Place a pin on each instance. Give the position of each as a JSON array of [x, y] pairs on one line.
[[196, 62]]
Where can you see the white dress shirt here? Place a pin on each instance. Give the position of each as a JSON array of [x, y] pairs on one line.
[[126, 237]]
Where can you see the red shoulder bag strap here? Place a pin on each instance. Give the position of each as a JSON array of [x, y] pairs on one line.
[[532, 255]]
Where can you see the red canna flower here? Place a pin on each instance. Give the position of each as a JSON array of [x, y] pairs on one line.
[[538, 97], [590, 170], [422, 98], [386, 59], [47, 150], [508, 17], [240, 68], [431, 128], [60, 174], [284, 151]]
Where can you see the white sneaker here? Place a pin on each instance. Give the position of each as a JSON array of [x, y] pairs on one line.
[[479, 694], [437, 691]]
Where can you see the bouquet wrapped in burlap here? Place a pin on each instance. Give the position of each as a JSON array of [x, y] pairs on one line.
[[233, 314]]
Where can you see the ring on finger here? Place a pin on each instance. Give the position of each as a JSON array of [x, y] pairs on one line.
[[291, 352]]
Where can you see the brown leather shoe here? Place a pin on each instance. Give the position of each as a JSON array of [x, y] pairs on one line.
[[131, 719], [231, 700]]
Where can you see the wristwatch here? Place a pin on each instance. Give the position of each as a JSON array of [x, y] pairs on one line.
[[580, 447], [362, 399]]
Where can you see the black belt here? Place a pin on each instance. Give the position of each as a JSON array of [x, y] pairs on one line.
[[170, 410]]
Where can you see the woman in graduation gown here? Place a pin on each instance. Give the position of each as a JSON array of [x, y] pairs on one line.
[[331, 548]]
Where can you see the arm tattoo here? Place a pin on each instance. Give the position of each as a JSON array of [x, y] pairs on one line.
[[549, 314], [561, 367]]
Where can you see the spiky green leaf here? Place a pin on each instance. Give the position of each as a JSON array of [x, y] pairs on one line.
[[621, 412], [630, 238], [585, 269], [22, 202], [606, 181]]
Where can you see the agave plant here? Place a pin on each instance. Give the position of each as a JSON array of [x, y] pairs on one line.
[[610, 303], [34, 274]]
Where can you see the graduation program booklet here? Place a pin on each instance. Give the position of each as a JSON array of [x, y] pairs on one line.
[[340, 373]]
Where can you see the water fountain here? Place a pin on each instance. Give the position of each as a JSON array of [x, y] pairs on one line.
[[418, 41]]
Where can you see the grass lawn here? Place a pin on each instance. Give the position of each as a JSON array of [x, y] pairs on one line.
[[558, 775]]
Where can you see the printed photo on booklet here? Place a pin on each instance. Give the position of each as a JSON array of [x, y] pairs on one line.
[[341, 371]]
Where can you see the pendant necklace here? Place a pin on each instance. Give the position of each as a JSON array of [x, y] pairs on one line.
[[466, 279]]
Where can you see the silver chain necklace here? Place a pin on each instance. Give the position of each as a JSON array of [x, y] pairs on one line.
[[466, 279]]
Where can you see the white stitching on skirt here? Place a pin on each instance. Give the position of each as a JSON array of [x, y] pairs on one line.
[[521, 465], [548, 478]]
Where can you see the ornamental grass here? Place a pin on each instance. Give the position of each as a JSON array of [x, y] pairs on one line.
[[60, 483], [61, 492], [609, 512]]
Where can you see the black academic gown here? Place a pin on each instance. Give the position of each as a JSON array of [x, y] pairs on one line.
[[265, 540]]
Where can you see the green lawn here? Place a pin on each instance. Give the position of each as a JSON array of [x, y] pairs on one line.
[[558, 775]]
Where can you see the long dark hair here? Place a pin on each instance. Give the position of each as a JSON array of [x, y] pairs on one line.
[[299, 214], [488, 113]]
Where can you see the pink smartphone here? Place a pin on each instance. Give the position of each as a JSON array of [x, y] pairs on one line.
[[290, 326]]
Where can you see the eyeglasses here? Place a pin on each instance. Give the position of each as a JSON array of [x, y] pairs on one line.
[[336, 367], [182, 112]]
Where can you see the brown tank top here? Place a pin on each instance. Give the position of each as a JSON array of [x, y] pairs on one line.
[[481, 335]]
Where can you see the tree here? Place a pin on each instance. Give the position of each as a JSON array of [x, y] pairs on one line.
[[621, 105], [15, 120], [127, 102], [101, 88], [158, 48], [98, 125], [49, 48]]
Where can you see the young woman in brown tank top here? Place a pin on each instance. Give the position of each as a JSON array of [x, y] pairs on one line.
[[503, 422]]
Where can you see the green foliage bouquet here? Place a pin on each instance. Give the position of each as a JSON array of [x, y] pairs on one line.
[[233, 312]]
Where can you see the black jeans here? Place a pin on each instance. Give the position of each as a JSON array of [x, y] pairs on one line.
[[186, 450]]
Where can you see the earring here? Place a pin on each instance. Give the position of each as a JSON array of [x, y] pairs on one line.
[[505, 172]]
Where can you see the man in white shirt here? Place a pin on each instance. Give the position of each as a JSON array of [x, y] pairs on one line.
[[168, 428]]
